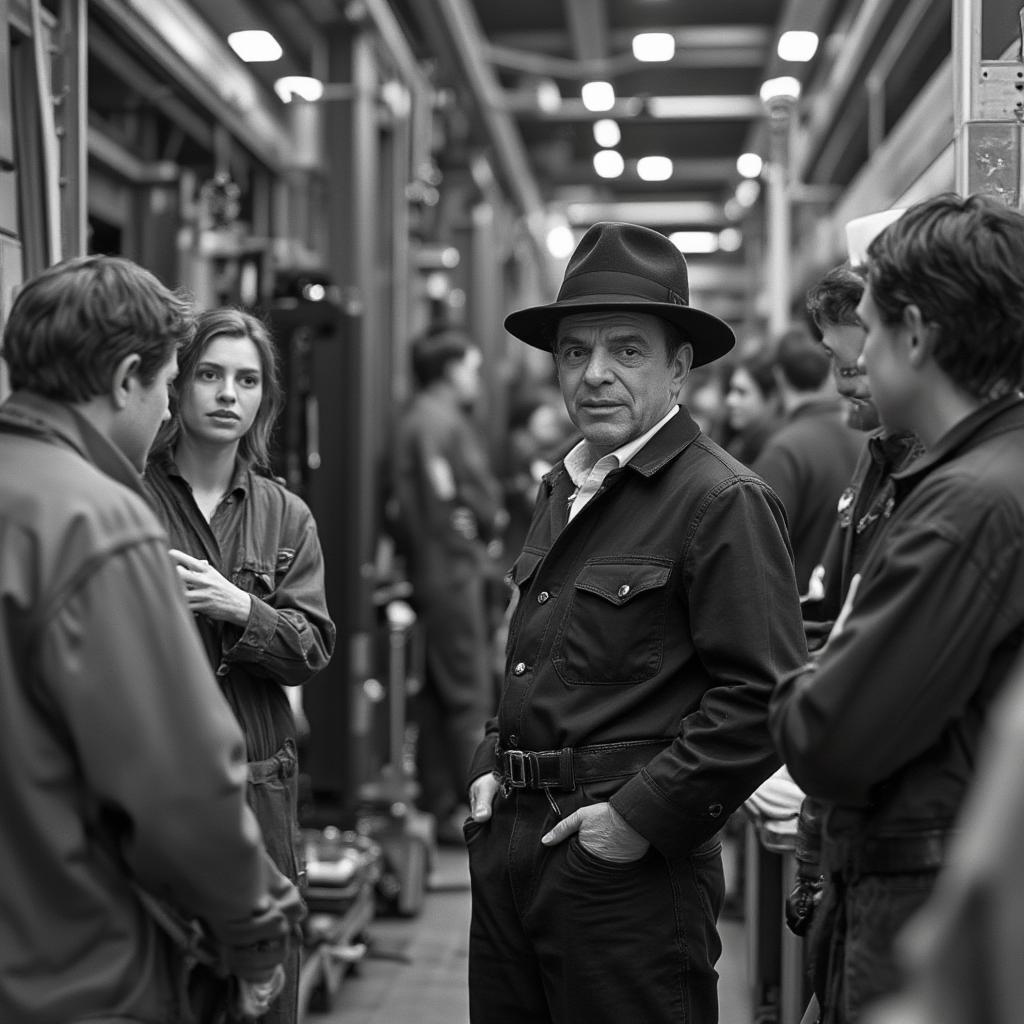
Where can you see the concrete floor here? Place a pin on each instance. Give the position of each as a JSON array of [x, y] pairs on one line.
[[415, 969]]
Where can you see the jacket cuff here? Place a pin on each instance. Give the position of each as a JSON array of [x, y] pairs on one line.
[[259, 630], [672, 830]]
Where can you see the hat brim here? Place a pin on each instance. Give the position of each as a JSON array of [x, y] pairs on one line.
[[710, 337]]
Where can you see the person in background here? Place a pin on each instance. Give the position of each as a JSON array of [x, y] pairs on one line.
[[655, 610], [885, 727], [247, 552], [123, 778], [753, 406], [809, 459], [832, 303], [450, 510]]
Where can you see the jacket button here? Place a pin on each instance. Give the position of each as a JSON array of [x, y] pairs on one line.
[[543, 597], [513, 741], [715, 810], [624, 590], [519, 669]]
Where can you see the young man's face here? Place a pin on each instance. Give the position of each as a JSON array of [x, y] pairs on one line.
[[890, 375], [148, 407], [844, 344]]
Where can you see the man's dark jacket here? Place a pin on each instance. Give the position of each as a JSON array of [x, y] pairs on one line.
[[667, 609]]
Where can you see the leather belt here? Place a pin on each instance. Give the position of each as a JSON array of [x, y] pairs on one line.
[[894, 855], [563, 769]]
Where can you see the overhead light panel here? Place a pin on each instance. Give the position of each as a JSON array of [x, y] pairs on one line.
[[654, 168], [598, 96], [301, 86], [561, 241], [609, 163], [730, 239], [695, 241], [654, 47], [606, 133], [749, 165], [798, 47], [255, 46], [747, 192]]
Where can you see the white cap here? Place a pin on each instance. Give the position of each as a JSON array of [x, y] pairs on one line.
[[861, 231]]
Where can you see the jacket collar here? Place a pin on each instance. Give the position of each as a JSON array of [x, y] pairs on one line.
[[1006, 413], [61, 423], [675, 436]]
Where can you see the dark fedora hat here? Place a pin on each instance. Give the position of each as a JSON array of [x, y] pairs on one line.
[[626, 266]]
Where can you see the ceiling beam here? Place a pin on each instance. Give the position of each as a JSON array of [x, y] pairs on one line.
[[652, 212], [697, 37], [588, 26], [688, 172], [676, 108], [534, 63]]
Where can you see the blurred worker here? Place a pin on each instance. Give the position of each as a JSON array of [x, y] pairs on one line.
[[655, 610], [809, 459], [753, 406], [885, 727], [123, 768], [450, 507], [247, 551]]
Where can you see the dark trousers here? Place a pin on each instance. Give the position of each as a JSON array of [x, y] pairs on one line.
[[272, 796], [560, 936], [852, 940], [458, 691]]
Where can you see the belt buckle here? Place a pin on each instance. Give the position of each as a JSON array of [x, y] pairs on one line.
[[516, 769]]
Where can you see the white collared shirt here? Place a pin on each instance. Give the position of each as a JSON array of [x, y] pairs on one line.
[[588, 476]]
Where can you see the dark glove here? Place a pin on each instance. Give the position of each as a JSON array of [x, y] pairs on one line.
[[802, 902]]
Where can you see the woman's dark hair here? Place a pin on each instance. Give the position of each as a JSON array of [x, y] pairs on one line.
[[73, 323], [959, 261], [254, 448]]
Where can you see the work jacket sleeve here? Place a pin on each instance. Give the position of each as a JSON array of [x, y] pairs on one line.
[[289, 636], [162, 759], [747, 632], [906, 663]]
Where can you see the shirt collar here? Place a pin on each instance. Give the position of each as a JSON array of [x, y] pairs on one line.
[[957, 437], [239, 479], [64, 423], [580, 461]]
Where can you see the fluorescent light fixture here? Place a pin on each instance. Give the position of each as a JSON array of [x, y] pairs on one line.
[[749, 165], [652, 47], [606, 133], [255, 46], [798, 47], [747, 191], [695, 241], [609, 163], [309, 89], [730, 239], [598, 96], [549, 96], [784, 87], [560, 241], [654, 168]]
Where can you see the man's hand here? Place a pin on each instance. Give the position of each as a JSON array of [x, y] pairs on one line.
[[603, 831], [801, 903], [481, 796], [209, 592]]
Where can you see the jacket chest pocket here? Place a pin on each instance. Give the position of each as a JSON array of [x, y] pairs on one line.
[[614, 628], [258, 576]]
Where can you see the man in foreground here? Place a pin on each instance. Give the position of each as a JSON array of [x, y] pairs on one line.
[[123, 771], [656, 609], [885, 728]]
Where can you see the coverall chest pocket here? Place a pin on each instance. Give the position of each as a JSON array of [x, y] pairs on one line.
[[614, 628], [259, 576]]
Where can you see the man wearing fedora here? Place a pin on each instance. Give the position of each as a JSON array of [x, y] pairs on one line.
[[655, 607]]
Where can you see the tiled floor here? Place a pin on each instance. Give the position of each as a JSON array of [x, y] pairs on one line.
[[415, 970]]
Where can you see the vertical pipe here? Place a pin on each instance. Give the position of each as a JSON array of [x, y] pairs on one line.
[[966, 64], [779, 228]]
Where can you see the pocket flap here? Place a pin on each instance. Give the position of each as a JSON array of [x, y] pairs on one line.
[[619, 582], [524, 567]]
